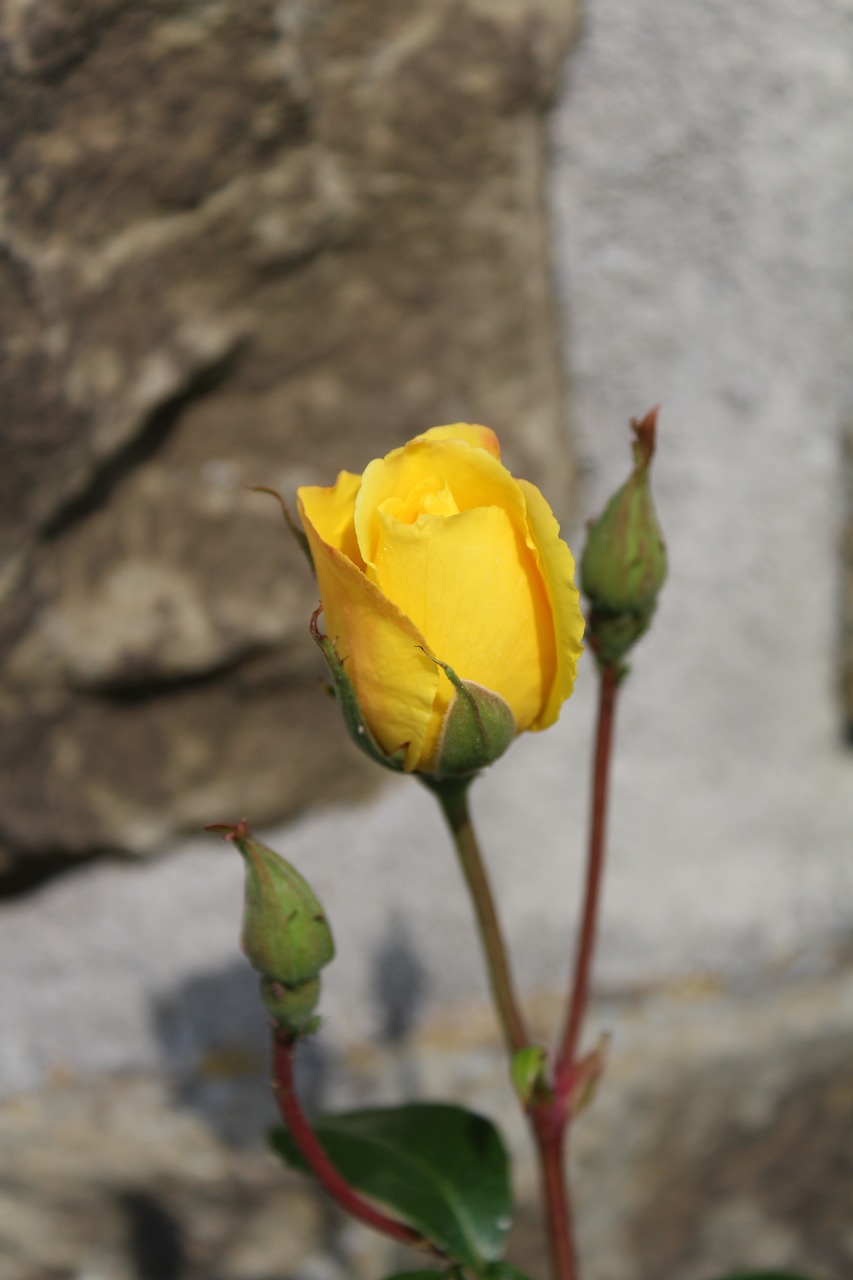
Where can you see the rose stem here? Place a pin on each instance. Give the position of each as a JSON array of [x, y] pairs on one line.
[[550, 1118], [608, 685], [454, 804], [546, 1118], [319, 1163], [550, 1134], [552, 1122]]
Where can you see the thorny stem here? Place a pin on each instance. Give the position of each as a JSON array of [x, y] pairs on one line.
[[319, 1163]]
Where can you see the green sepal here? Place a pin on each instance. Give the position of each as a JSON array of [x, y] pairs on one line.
[[613, 634], [441, 1168], [299, 534], [344, 691], [477, 729], [292, 1007], [529, 1074]]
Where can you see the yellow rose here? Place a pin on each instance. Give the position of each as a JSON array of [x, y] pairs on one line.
[[437, 553]]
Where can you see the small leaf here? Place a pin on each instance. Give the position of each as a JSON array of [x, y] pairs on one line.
[[528, 1072], [442, 1168], [587, 1076], [767, 1275]]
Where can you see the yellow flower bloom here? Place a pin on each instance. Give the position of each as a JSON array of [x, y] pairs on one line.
[[437, 552]]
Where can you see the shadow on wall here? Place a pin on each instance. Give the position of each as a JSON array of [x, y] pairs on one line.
[[214, 1038], [155, 1238]]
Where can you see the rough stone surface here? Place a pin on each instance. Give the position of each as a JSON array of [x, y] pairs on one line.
[[719, 1140], [702, 188], [238, 244], [847, 582]]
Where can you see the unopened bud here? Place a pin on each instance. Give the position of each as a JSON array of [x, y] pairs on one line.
[[623, 566], [285, 935]]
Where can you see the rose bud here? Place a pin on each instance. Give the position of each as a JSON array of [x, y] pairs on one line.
[[623, 565], [285, 934], [447, 595]]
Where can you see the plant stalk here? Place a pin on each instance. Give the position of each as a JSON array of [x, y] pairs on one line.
[[555, 1190], [607, 689], [321, 1166], [550, 1117], [454, 804]]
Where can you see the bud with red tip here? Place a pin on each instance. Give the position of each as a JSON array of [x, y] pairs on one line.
[[286, 936], [623, 566]]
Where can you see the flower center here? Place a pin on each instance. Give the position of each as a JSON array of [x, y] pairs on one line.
[[429, 497]]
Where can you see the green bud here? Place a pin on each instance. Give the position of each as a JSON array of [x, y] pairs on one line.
[[478, 728], [623, 565], [286, 936], [530, 1074]]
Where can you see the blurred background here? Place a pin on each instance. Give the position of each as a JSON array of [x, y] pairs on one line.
[[260, 243]]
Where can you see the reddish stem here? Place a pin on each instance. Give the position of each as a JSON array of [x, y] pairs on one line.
[[551, 1119], [319, 1163], [608, 686], [550, 1133]]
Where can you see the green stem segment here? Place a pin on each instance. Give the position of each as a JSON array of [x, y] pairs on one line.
[[550, 1117], [321, 1166], [453, 798]]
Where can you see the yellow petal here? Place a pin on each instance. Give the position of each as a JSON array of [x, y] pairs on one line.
[[395, 681], [330, 510], [557, 567], [473, 477], [471, 432], [472, 586]]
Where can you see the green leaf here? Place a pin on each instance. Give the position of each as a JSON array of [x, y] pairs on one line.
[[444, 1169], [503, 1271], [767, 1275], [452, 1273], [416, 1275]]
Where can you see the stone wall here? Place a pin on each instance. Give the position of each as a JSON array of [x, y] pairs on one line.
[[240, 244], [701, 186]]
